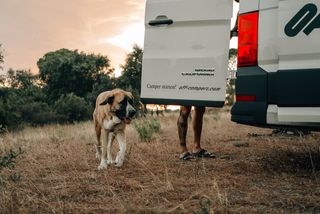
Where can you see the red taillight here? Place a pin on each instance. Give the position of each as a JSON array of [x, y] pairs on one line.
[[245, 98], [248, 39]]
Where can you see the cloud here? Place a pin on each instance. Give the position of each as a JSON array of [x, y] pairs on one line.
[[126, 39], [31, 28]]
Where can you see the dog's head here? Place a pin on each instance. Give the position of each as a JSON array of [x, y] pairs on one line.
[[121, 104]]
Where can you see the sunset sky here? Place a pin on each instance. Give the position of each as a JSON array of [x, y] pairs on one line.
[[31, 28]]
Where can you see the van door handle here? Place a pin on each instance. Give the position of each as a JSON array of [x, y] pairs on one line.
[[161, 20]]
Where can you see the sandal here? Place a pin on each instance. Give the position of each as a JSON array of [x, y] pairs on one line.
[[203, 154], [186, 156]]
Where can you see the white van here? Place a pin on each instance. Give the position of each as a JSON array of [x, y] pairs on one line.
[[278, 58]]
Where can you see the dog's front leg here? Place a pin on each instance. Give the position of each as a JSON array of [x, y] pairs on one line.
[[121, 138], [98, 151], [109, 147], [105, 139]]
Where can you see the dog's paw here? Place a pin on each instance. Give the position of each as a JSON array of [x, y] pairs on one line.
[[102, 166], [109, 162], [120, 164]]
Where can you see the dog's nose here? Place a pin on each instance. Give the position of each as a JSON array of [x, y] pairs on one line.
[[132, 112]]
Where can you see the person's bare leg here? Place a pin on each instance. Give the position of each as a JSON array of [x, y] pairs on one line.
[[183, 127], [197, 121]]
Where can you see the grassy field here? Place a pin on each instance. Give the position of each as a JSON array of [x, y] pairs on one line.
[[264, 173]]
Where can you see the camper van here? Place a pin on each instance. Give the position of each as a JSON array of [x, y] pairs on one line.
[[186, 56]]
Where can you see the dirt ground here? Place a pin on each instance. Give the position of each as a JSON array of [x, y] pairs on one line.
[[254, 171]]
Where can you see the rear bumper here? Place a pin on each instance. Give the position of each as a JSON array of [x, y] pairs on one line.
[[251, 81], [283, 98], [251, 113]]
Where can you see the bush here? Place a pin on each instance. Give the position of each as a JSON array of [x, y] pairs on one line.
[[146, 129], [43, 118], [30, 110], [154, 125], [20, 106], [73, 108], [7, 160], [17, 111], [9, 115]]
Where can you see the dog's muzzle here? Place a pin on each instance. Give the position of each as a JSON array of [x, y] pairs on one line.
[[131, 112]]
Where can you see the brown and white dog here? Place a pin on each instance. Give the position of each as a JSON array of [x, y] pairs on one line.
[[109, 105]]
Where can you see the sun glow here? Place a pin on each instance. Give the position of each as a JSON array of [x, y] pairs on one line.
[[133, 34]]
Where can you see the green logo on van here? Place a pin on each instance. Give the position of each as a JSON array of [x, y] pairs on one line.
[[301, 21]]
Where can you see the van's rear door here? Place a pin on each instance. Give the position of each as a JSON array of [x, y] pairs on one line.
[[297, 81], [186, 52]]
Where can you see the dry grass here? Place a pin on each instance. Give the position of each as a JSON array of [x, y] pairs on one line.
[[58, 172]]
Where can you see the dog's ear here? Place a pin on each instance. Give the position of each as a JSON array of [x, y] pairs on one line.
[[109, 100]]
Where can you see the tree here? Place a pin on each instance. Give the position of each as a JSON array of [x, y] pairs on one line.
[[73, 108], [131, 71], [232, 67], [102, 83], [20, 78], [65, 71], [22, 100]]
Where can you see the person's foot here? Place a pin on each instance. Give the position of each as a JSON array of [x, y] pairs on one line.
[[202, 153], [186, 156]]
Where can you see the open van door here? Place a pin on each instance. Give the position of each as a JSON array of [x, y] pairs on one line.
[[186, 52]]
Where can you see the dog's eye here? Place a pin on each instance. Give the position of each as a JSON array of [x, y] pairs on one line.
[[123, 102]]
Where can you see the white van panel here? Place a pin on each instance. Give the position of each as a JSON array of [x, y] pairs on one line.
[[268, 48], [248, 6], [186, 60], [301, 51], [268, 4], [188, 10]]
